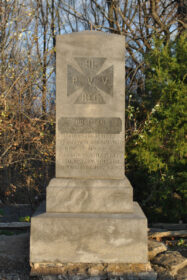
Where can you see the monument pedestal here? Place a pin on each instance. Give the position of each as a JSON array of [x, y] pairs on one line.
[[89, 223], [68, 195]]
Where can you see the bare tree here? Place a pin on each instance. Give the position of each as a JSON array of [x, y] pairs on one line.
[[28, 32]]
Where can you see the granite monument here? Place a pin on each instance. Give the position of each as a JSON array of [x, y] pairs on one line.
[[90, 214]]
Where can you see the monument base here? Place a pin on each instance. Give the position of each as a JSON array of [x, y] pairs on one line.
[[59, 238], [131, 271]]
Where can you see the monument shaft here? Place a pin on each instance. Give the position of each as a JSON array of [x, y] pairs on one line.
[[90, 106]]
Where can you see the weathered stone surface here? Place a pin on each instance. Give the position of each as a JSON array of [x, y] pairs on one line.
[[101, 271], [154, 248], [97, 269], [120, 269], [172, 260], [163, 273], [90, 106], [94, 238], [182, 273], [89, 196]]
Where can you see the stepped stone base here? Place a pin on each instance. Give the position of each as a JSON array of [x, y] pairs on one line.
[[89, 238], [89, 196]]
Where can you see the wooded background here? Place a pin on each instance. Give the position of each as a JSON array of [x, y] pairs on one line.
[[156, 104]]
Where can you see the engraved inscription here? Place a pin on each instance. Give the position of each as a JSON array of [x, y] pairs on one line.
[[94, 85], [90, 125], [92, 152]]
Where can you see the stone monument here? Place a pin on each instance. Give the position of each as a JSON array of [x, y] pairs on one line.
[[90, 214]]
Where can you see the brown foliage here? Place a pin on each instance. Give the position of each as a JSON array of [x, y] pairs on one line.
[[27, 73]]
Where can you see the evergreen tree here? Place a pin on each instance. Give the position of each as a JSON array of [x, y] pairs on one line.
[[160, 149]]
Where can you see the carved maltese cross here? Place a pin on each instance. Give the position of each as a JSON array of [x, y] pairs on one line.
[[94, 85]]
